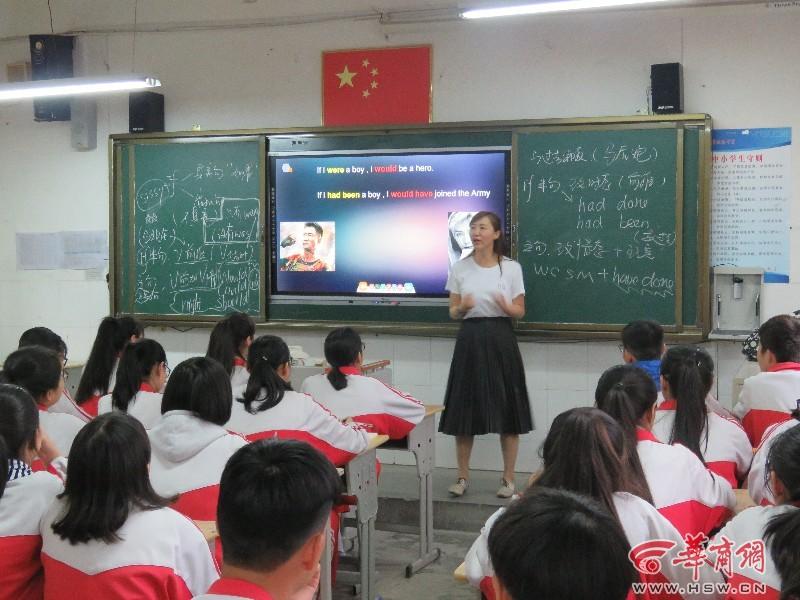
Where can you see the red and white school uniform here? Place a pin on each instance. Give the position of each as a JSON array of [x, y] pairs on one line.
[[767, 398], [61, 428], [298, 417], [90, 405], [724, 444], [641, 523], [26, 499], [690, 496], [145, 406], [239, 377], [68, 406], [760, 492], [365, 399], [161, 555], [188, 457], [749, 526], [234, 589]]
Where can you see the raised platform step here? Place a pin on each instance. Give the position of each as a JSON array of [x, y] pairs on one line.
[[398, 502]]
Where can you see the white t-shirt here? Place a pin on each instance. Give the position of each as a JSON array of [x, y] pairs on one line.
[[483, 283]]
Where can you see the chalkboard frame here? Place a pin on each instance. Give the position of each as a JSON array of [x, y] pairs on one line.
[[690, 332], [678, 325], [122, 181]]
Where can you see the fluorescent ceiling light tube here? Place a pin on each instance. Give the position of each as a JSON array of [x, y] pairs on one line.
[[551, 7], [74, 86]]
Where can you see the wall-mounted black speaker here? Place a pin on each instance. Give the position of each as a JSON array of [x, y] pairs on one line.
[[145, 112], [51, 58], [666, 83]]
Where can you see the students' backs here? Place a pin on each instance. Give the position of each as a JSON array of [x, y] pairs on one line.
[[767, 398]]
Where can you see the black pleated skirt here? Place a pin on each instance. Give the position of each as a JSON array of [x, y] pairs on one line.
[[486, 391]]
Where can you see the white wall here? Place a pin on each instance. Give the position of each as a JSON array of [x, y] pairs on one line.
[[739, 66]]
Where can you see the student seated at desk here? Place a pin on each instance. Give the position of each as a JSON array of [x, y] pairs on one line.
[[758, 485], [772, 395], [533, 549], [687, 374], [270, 408], [42, 336], [777, 528], [587, 452], [690, 496], [41, 372], [141, 376], [274, 501], [25, 496], [100, 372], [109, 535], [190, 443], [228, 344], [348, 394]]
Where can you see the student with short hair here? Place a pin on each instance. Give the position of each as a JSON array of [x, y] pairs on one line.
[[643, 345], [270, 408], [687, 374], [690, 496], [100, 372], [758, 478], [347, 393], [110, 535], [228, 344], [40, 371], [586, 452], [42, 336], [190, 443], [141, 377], [274, 501], [770, 396], [25, 496], [777, 526], [556, 545]]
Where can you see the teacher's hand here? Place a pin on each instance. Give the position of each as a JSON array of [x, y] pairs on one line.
[[515, 310], [467, 303]]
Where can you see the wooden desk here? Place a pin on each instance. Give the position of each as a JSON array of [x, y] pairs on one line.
[[460, 574], [361, 480], [209, 529], [743, 501], [421, 441]]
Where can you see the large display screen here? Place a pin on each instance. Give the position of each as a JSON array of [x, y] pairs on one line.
[[379, 224]]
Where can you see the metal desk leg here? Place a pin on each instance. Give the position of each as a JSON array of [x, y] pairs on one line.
[[362, 482], [325, 587], [421, 441]]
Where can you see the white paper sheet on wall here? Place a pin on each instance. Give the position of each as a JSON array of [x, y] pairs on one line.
[[79, 250]]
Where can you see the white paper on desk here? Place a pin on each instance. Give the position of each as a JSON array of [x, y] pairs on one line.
[[84, 249], [37, 251], [80, 250]]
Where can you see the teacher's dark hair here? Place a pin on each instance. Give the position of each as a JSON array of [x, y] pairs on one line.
[[529, 541], [107, 478], [342, 347]]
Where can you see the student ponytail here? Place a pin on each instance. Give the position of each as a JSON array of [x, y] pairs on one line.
[[135, 365], [113, 335], [690, 374], [265, 387], [342, 347], [227, 338], [783, 530], [17, 427], [627, 393]]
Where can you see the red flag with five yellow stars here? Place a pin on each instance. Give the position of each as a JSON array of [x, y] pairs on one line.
[[376, 86]]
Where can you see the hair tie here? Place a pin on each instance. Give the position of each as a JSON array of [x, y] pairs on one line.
[[619, 386], [265, 358]]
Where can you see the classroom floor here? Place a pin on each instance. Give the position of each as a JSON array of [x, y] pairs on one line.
[[434, 582]]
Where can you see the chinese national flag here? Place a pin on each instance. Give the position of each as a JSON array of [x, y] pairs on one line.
[[376, 86]]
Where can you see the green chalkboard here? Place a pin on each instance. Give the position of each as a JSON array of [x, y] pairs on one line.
[[190, 227], [600, 217]]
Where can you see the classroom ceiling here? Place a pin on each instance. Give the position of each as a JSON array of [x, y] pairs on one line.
[[23, 17]]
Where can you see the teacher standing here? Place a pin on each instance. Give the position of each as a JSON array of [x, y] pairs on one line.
[[486, 391]]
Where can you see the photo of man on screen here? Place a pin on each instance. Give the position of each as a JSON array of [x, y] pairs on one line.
[[312, 256]]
